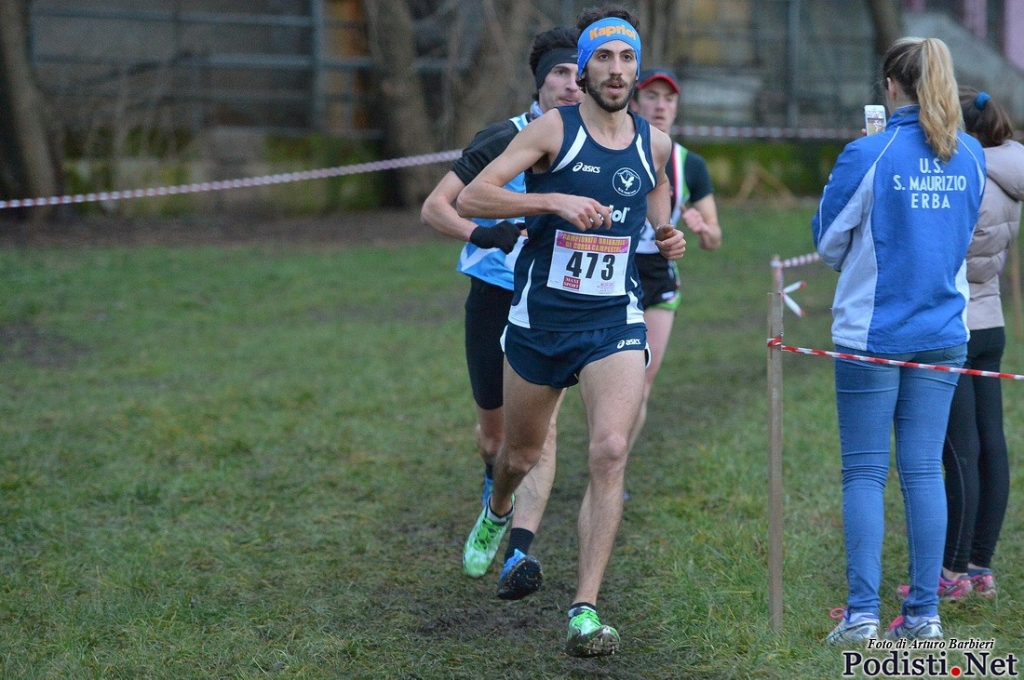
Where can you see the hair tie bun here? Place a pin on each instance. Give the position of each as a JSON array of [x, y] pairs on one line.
[[981, 100]]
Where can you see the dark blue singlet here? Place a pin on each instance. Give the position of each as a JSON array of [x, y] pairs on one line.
[[568, 280]]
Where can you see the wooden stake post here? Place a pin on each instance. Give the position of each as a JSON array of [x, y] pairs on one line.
[[775, 464]]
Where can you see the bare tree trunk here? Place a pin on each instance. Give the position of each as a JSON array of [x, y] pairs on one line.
[[888, 22], [392, 43], [499, 85], [30, 163], [659, 20]]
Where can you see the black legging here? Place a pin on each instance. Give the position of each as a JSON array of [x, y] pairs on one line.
[[975, 459]]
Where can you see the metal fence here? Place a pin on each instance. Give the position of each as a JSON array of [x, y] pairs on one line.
[[301, 65], [302, 68], [299, 69]]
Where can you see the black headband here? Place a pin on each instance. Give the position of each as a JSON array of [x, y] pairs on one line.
[[561, 55]]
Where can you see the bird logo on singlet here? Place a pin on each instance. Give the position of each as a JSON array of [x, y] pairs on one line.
[[626, 182]]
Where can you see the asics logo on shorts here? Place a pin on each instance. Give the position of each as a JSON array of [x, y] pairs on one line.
[[629, 342], [583, 167]]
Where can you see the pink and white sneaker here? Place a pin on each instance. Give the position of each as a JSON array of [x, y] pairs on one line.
[[983, 583], [949, 590]]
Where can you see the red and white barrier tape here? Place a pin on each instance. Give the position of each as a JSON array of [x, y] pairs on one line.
[[778, 265], [764, 132], [704, 131], [797, 261], [777, 343], [219, 185], [790, 302]]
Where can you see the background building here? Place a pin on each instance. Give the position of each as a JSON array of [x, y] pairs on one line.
[[305, 65], [205, 84]]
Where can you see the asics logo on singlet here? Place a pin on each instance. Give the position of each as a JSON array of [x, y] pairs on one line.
[[631, 342], [583, 167], [626, 182]]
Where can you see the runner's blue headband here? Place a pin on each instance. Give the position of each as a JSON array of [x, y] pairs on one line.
[[603, 31]]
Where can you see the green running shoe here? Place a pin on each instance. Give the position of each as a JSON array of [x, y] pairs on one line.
[[587, 637], [482, 544]]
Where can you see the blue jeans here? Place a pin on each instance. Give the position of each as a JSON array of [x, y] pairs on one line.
[[870, 399]]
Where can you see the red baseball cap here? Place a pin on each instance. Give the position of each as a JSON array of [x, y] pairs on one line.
[[648, 77]]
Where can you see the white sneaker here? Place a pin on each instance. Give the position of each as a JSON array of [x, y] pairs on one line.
[[858, 628]]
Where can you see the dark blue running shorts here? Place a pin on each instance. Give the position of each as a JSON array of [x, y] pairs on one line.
[[556, 358]]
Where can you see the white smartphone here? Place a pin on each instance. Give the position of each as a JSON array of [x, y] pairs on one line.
[[874, 118]]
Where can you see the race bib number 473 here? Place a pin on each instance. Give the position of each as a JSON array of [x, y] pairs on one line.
[[589, 264]]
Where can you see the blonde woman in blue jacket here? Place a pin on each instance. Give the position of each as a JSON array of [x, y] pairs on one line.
[[895, 220]]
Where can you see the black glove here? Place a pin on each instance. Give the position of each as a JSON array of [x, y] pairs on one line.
[[502, 235]]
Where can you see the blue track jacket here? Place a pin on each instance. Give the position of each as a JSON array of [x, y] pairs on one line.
[[896, 222]]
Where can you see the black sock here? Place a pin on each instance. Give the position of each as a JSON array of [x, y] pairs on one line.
[[489, 471], [578, 607], [519, 539]]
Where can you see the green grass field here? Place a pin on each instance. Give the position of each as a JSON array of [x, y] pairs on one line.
[[246, 462]]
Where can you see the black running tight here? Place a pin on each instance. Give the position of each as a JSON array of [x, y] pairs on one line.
[[975, 458]]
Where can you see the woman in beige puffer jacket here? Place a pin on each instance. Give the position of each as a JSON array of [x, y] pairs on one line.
[[975, 456]]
